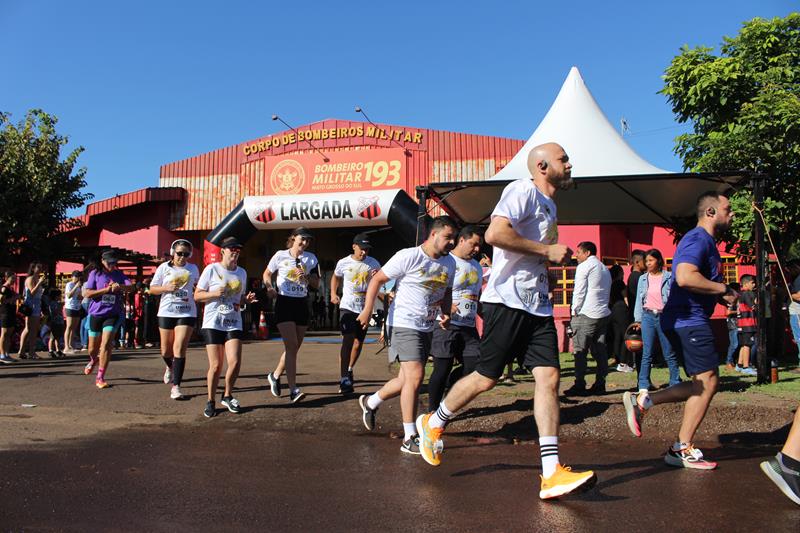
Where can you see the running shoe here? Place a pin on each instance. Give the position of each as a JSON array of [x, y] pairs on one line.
[[296, 395], [689, 457], [367, 415], [787, 480], [89, 368], [749, 371], [167, 375], [210, 409], [346, 386], [60, 353], [622, 367], [633, 413], [101, 384], [274, 384], [7, 359], [411, 445], [563, 481], [175, 393], [52, 354], [430, 441], [578, 389], [232, 404]]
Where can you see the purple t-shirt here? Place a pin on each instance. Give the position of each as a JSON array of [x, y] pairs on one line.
[[685, 308], [106, 304]]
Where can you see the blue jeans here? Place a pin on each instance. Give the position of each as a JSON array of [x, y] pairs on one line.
[[85, 331], [733, 345], [651, 328], [794, 320]]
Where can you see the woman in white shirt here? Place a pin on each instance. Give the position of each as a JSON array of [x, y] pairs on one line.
[[72, 309], [296, 270], [175, 280], [221, 287]]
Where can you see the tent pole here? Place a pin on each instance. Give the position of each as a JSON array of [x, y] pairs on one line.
[[761, 277]]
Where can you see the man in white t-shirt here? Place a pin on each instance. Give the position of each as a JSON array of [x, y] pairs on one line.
[[590, 317], [424, 287], [518, 313], [353, 273]]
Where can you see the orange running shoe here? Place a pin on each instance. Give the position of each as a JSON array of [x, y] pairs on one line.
[[563, 481], [430, 440]]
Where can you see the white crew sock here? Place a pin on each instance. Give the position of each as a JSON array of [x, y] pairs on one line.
[[548, 449], [440, 418], [374, 401], [409, 430]]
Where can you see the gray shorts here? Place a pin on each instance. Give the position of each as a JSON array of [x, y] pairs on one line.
[[589, 332], [406, 344]]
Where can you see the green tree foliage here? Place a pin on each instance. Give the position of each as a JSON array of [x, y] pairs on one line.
[[744, 105], [37, 188]]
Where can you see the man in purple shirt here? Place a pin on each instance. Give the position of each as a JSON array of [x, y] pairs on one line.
[[696, 287], [106, 287]]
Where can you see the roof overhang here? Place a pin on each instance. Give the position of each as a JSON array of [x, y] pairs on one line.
[[657, 199]]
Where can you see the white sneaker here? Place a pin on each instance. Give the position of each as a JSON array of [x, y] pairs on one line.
[[167, 376], [176, 393]]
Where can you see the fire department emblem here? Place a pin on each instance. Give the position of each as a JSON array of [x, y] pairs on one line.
[[267, 214], [368, 207], [287, 177]]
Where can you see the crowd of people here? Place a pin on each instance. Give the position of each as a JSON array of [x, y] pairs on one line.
[[445, 305]]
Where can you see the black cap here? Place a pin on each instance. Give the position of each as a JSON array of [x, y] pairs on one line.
[[109, 256], [230, 242], [362, 240], [303, 232]]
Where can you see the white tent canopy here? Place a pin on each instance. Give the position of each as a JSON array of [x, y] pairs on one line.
[[577, 123]]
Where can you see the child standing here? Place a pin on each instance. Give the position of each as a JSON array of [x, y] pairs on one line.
[[56, 323], [746, 323], [733, 330]]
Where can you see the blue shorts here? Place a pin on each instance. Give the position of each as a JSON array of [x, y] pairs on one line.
[[695, 347]]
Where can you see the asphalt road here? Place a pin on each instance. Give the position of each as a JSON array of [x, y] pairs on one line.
[[129, 459]]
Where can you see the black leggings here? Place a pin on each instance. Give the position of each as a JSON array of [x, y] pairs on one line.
[[442, 379]]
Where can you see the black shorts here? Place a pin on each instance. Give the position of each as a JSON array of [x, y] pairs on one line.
[[509, 332], [351, 326], [217, 336], [57, 329], [288, 309], [8, 320], [747, 338], [695, 347], [456, 341], [168, 322], [73, 313], [98, 324]]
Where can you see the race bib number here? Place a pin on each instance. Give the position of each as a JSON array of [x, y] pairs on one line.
[[224, 309], [109, 299], [181, 294]]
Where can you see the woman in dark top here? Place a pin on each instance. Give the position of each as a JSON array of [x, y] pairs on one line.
[[617, 301], [8, 315]]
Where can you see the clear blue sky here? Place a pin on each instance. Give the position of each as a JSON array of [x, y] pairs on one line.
[[145, 83]]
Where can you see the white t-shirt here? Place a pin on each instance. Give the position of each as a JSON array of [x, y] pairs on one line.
[[356, 276], [517, 280], [180, 303], [223, 313], [592, 289], [466, 288], [74, 303], [421, 285], [290, 282]]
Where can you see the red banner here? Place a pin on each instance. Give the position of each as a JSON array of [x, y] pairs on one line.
[[356, 170]]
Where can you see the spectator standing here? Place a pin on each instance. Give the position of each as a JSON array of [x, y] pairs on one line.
[[793, 272], [746, 324], [56, 321], [8, 316], [618, 302], [35, 284], [590, 318], [733, 333], [652, 295], [72, 309]]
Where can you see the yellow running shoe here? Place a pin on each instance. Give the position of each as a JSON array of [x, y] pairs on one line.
[[563, 481], [101, 384], [430, 442]]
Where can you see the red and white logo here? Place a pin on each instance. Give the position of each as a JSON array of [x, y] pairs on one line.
[[287, 177], [368, 207], [267, 214]]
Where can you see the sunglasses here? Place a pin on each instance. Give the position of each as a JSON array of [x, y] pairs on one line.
[[183, 254]]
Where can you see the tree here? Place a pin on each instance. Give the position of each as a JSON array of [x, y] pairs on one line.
[[744, 106], [37, 188]]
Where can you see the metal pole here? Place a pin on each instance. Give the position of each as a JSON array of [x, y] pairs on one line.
[[762, 276], [422, 211]]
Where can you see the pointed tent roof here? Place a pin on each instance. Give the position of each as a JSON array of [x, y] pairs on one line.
[[577, 123]]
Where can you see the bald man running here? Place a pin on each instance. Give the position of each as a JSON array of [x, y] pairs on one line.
[[518, 314]]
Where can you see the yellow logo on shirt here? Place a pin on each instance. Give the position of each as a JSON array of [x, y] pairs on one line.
[[180, 278], [435, 279]]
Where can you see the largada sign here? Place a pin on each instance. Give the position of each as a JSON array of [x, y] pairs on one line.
[[359, 208], [354, 170]]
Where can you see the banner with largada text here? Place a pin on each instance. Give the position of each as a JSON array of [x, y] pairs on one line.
[[354, 170], [343, 209]]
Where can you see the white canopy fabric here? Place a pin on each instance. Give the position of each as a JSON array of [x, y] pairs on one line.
[[577, 123]]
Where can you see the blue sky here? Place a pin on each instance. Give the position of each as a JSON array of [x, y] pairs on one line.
[[146, 83]]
